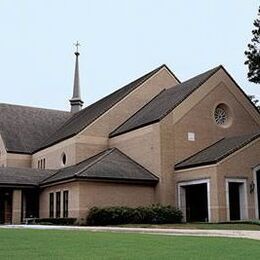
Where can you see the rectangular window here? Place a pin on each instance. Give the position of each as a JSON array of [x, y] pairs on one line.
[[58, 204], [65, 204], [44, 163], [38, 164], [51, 205]]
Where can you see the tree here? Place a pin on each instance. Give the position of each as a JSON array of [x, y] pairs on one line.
[[255, 101], [253, 53]]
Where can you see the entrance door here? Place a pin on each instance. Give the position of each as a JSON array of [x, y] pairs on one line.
[[258, 190], [234, 201], [196, 203]]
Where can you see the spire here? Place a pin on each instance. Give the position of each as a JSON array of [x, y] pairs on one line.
[[75, 102]]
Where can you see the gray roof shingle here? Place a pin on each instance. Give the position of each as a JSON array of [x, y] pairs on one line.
[[110, 165], [89, 114], [218, 151], [23, 128], [23, 176], [163, 103]]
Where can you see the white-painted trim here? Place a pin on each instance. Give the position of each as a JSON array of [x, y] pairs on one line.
[[243, 198], [180, 188], [255, 170]]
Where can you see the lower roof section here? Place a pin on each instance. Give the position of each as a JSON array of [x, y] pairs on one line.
[[217, 151], [110, 165], [23, 176]]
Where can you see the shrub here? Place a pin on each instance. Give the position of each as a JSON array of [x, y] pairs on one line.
[[56, 221], [154, 214]]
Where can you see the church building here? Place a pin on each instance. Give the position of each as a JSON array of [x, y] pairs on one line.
[[194, 145]]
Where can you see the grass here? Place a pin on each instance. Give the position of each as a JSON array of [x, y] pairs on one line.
[[216, 226], [58, 244]]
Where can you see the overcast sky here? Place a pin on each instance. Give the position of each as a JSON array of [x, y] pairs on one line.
[[121, 40]]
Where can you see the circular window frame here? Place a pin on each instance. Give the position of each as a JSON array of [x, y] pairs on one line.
[[228, 115], [63, 159]]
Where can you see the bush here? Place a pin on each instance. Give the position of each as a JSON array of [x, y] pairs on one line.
[[56, 221], [154, 214]]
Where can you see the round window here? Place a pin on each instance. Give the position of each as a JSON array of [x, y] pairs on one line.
[[63, 159], [222, 115]]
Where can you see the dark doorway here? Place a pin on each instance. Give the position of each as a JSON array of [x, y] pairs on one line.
[[258, 191], [196, 203], [5, 206], [234, 200], [31, 204]]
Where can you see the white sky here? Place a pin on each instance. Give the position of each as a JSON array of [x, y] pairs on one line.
[[121, 40]]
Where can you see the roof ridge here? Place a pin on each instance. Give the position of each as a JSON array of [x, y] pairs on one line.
[[164, 65]]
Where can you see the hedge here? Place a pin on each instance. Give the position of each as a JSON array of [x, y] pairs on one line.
[[154, 214], [56, 221]]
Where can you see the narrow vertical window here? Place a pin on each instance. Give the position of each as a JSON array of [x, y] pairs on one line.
[[65, 204], [51, 205], [58, 204], [38, 164], [44, 163]]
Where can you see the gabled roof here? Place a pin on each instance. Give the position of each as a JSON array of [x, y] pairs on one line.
[[23, 128], [163, 103], [23, 176], [110, 165], [217, 152], [85, 117]]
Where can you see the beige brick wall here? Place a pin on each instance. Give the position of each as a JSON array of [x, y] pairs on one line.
[[53, 155], [142, 145], [113, 194], [84, 195]]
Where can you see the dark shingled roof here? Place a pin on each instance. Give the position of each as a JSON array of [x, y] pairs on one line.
[[89, 114], [218, 151], [23, 128], [110, 165], [163, 103], [23, 176]]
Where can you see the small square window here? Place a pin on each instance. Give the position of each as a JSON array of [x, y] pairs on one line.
[[191, 136]]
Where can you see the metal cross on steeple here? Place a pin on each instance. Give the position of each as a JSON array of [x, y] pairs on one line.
[[77, 44]]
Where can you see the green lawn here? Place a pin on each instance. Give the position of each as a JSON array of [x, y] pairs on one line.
[[53, 244]]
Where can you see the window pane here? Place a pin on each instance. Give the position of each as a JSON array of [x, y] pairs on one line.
[[65, 204], [51, 205], [58, 204]]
